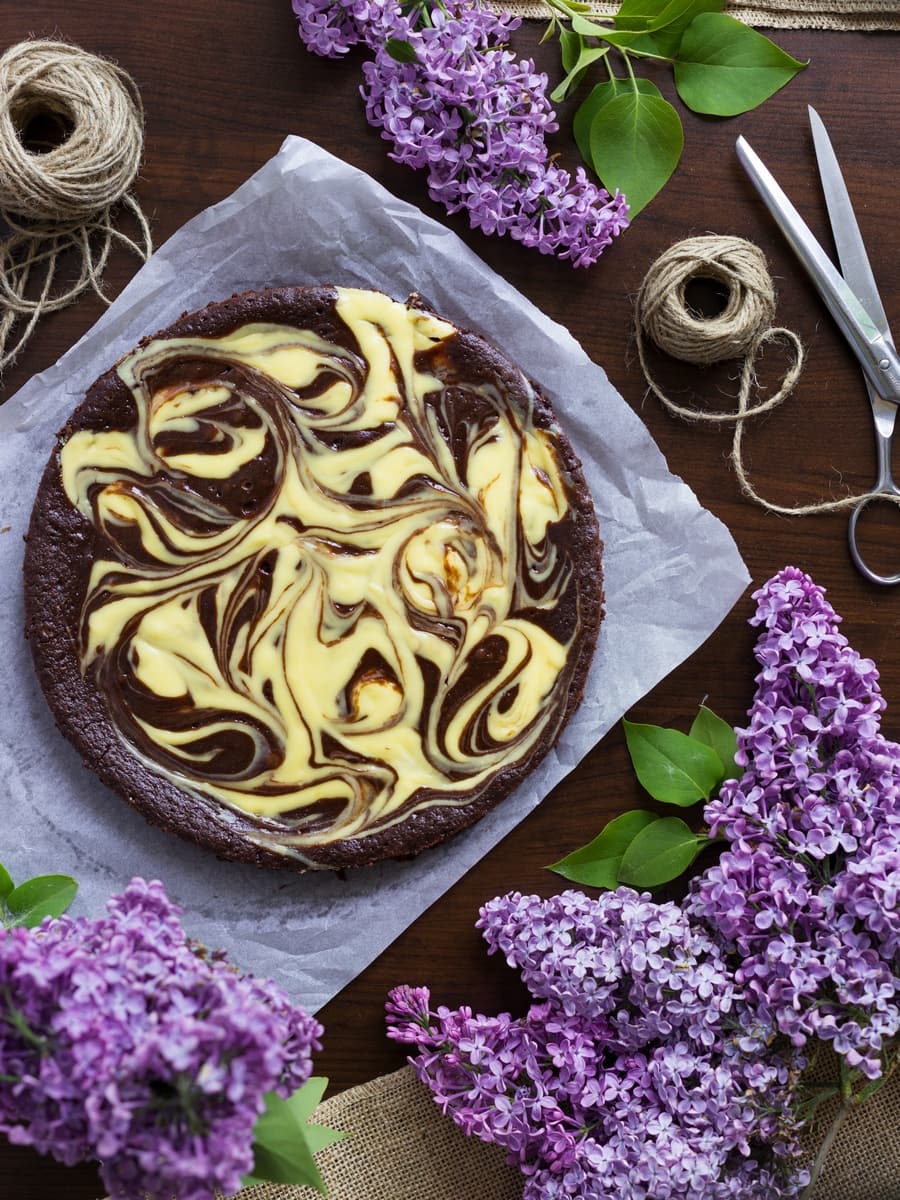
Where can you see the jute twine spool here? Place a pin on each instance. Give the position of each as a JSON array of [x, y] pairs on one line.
[[63, 199], [749, 306], [740, 331]]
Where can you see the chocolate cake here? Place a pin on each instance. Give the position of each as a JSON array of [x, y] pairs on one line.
[[313, 578]]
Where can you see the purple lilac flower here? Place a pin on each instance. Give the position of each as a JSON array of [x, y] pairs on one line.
[[638, 1072], [122, 1040], [474, 117], [807, 893], [332, 28]]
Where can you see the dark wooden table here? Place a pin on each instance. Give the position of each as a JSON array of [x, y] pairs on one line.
[[224, 82]]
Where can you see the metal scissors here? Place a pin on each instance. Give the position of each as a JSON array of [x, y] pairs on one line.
[[851, 297]]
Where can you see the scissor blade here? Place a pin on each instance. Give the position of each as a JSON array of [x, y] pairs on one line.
[[851, 250], [852, 255], [875, 352]]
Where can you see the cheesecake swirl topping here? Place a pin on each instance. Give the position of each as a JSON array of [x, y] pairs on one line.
[[333, 586]]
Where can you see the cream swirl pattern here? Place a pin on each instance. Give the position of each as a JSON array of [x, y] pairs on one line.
[[334, 587]]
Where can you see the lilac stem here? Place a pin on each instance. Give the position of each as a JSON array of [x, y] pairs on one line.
[[825, 1148]]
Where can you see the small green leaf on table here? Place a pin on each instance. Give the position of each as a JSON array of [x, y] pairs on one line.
[[285, 1140], [597, 97], [725, 68], [635, 144], [710, 729], [660, 853], [6, 883], [576, 58], [597, 863], [570, 47], [673, 767], [43, 896]]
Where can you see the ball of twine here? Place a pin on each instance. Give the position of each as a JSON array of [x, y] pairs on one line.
[[61, 197], [749, 308]]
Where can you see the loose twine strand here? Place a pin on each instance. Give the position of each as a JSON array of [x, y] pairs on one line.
[[741, 331], [63, 199]]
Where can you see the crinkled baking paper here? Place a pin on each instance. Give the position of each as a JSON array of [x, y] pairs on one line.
[[672, 571]]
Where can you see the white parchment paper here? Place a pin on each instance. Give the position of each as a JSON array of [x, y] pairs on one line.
[[671, 569]]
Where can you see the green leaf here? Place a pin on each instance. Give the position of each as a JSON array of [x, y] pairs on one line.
[[668, 30], [400, 51], [668, 20], [635, 144], [551, 29], [713, 731], [725, 68], [674, 768], [653, 29], [6, 883], [632, 31], [567, 8], [587, 55], [589, 28], [866, 1092], [660, 853], [597, 863], [570, 47], [319, 1136], [307, 1099], [598, 96], [43, 896], [637, 14], [637, 41], [284, 1141]]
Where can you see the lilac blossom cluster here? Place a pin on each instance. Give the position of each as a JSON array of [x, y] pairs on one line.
[[458, 104], [123, 1041], [332, 27], [807, 895], [639, 1070]]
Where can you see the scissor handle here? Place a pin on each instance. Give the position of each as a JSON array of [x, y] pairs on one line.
[[855, 553], [884, 417]]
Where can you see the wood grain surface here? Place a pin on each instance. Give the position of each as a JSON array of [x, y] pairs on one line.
[[224, 82]]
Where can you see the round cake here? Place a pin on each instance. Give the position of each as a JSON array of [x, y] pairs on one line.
[[313, 578]]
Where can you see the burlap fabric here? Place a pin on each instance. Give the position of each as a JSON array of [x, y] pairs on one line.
[[864, 1160], [775, 14], [400, 1147]]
